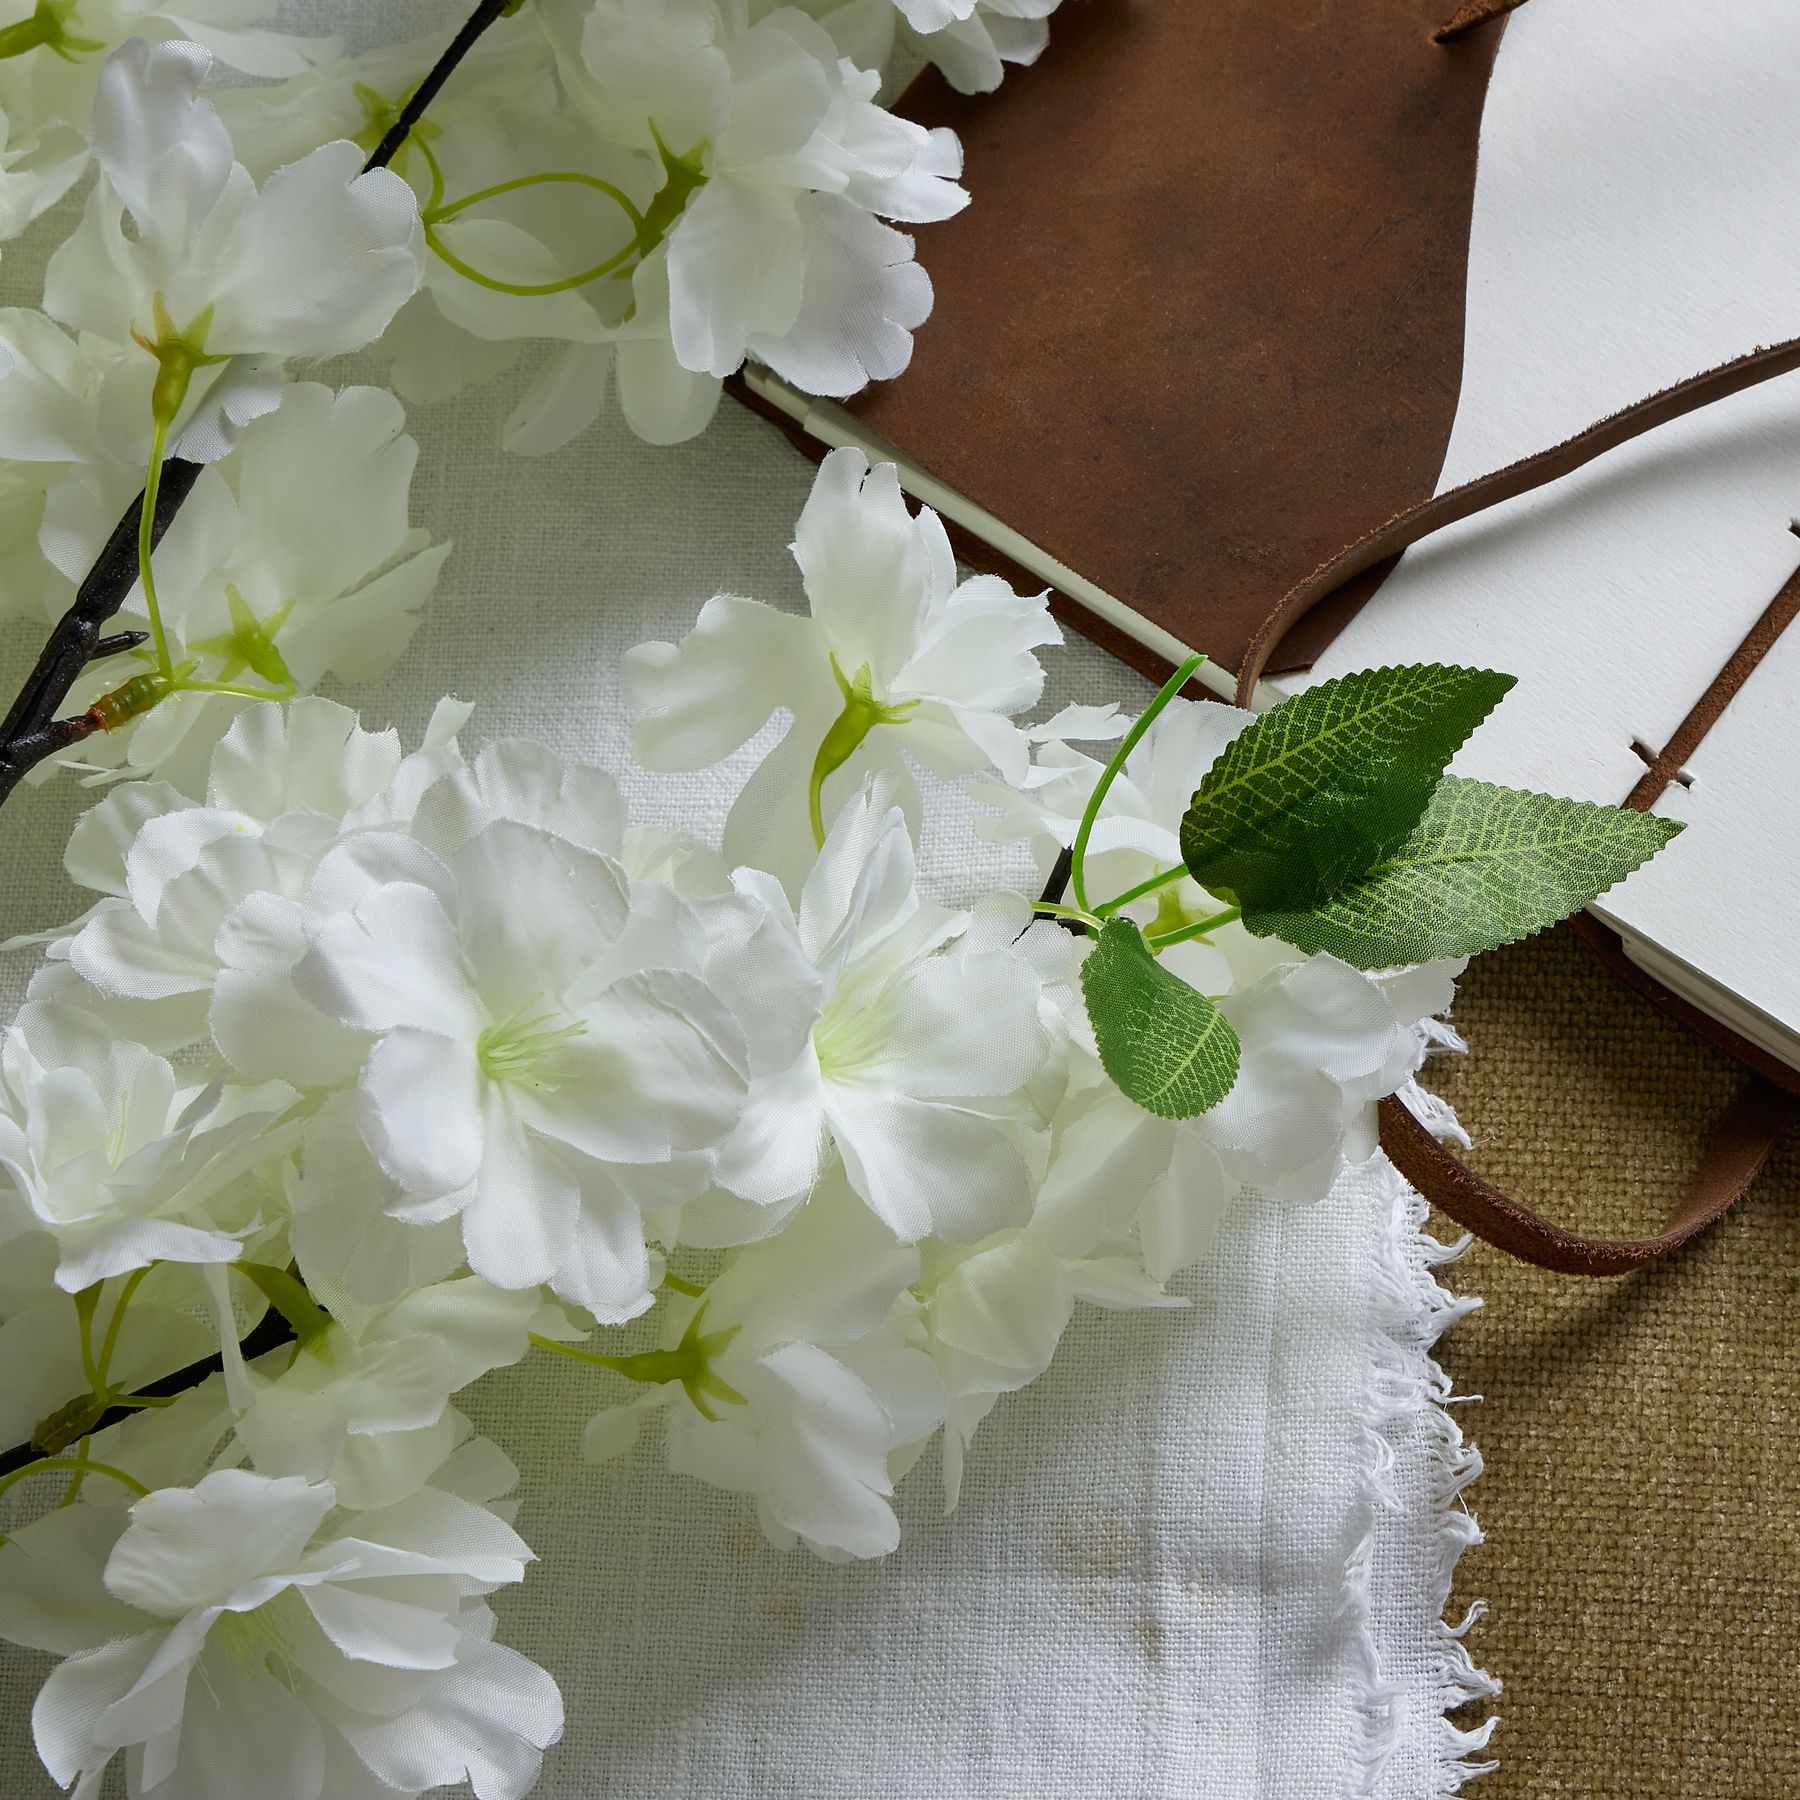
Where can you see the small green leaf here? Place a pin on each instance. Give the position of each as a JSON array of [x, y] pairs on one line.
[[1167, 1046], [287, 1294], [1484, 866], [1319, 788]]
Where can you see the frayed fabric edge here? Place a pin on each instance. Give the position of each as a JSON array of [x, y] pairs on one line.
[[1408, 1392]]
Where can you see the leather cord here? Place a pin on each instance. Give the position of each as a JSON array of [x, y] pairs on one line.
[[1769, 1101], [1734, 1156]]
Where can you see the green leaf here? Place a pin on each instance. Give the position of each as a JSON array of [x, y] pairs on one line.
[[1167, 1046], [287, 1294], [1484, 866], [1324, 784]]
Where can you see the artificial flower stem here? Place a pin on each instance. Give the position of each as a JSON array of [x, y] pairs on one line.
[[110, 1342], [1199, 928], [691, 1288], [238, 690], [27, 34], [44, 1464], [86, 1304], [436, 197], [862, 713], [531, 290], [1109, 774], [437, 212], [1056, 910], [1107, 907], [159, 439], [72, 1492]]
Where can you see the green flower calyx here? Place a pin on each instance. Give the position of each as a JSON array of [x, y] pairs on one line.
[[48, 28], [179, 351], [862, 713]]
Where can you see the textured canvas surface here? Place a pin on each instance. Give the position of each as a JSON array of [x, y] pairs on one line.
[[1643, 1562]]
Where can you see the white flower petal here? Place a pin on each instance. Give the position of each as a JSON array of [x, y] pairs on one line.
[[928, 1169], [695, 702], [422, 1097], [322, 261], [189, 1547], [393, 961], [520, 1221]]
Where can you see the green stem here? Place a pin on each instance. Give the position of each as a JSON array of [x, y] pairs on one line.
[[28, 34], [862, 713], [237, 689], [525, 290], [165, 664], [1056, 910], [1198, 929], [691, 1288], [689, 1363], [617, 1364], [436, 212], [87, 1302], [1109, 774], [44, 1464], [110, 1342], [1107, 907], [436, 197]]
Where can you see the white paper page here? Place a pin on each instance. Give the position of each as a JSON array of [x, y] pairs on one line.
[[1634, 223]]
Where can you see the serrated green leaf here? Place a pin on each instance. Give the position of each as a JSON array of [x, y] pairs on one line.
[[1484, 866], [1167, 1046], [1324, 784]]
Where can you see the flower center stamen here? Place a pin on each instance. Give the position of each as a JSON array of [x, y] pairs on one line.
[[856, 1031], [253, 1640], [522, 1048]]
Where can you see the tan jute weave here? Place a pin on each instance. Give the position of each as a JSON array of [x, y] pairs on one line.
[[1643, 1557]]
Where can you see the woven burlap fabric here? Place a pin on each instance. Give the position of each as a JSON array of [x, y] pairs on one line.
[[1642, 1559]]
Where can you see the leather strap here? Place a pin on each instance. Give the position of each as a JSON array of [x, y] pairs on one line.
[[1420, 521], [1734, 1156], [1769, 1101]]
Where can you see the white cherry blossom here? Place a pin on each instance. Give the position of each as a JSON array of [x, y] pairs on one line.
[[541, 1070], [797, 1382], [894, 655], [247, 1635], [250, 590], [52, 53], [918, 1071], [106, 1148], [316, 263]]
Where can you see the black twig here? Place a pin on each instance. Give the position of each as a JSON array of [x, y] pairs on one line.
[[422, 96], [270, 1334], [1054, 887], [31, 730], [118, 644]]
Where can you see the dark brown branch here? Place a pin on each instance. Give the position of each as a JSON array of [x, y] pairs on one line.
[[422, 96], [270, 1334], [118, 644], [31, 730]]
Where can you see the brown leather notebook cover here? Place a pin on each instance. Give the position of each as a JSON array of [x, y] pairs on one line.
[[1202, 324]]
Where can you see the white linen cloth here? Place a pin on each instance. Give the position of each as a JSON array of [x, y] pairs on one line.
[[1206, 1555]]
